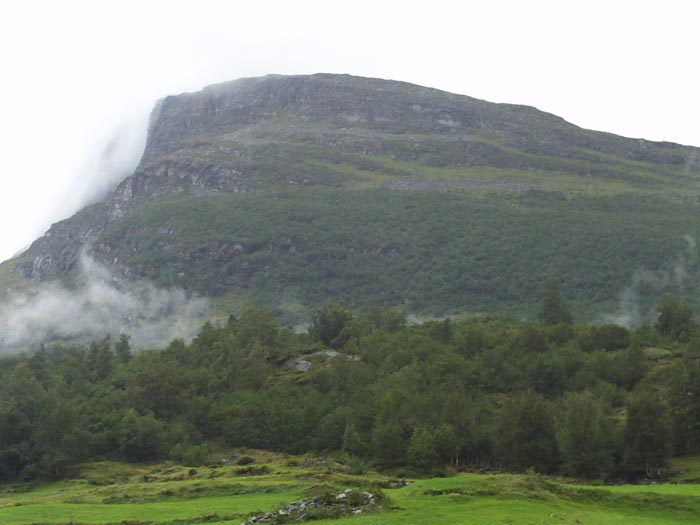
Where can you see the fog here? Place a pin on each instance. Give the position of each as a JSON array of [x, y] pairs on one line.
[[100, 304], [639, 299], [110, 161], [77, 74]]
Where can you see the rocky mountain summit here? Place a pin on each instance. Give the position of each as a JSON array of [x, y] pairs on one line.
[[296, 150]]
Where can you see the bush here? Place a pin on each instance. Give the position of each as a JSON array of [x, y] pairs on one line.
[[196, 456]]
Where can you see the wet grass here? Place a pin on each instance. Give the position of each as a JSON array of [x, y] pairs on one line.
[[169, 494]]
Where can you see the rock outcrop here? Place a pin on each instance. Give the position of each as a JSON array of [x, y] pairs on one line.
[[315, 135], [347, 502]]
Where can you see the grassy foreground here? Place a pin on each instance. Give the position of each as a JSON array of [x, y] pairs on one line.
[[227, 493]]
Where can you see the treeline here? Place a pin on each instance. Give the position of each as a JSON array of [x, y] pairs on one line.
[[585, 401]]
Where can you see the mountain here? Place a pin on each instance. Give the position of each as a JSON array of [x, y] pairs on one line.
[[290, 191]]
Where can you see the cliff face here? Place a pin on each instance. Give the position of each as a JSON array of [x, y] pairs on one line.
[[253, 110], [262, 132], [320, 133]]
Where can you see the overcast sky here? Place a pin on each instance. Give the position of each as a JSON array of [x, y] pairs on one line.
[[77, 73]]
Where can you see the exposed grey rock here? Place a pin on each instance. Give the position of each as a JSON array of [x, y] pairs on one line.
[[291, 131], [346, 502], [298, 364]]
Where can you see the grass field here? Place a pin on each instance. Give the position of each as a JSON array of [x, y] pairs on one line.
[[113, 493]]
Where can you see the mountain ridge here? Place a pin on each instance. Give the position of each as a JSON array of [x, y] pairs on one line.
[[303, 138]]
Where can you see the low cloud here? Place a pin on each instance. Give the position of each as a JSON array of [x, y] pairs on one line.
[[639, 299], [100, 304]]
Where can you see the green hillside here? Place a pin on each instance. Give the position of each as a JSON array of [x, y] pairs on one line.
[[292, 191], [427, 252]]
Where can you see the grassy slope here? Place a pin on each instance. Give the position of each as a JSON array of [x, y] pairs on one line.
[[114, 493], [515, 499], [10, 279], [320, 224]]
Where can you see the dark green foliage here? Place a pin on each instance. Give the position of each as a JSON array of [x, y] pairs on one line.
[[530, 340], [122, 348], [141, 438], [675, 318], [525, 435], [607, 337], [158, 387], [684, 401], [482, 392], [59, 436], [423, 449], [331, 325], [473, 341], [430, 252], [585, 437], [553, 309], [647, 437], [385, 319], [441, 331], [447, 444], [257, 325], [389, 443], [101, 358], [627, 367]]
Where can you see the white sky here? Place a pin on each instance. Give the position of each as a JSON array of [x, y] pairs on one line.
[[76, 72]]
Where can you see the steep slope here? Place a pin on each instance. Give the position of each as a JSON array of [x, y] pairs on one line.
[[283, 190]]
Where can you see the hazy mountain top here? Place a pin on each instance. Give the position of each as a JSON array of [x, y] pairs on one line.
[[283, 190], [346, 132], [344, 102]]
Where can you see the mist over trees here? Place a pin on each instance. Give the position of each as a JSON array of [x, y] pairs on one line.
[[480, 392]]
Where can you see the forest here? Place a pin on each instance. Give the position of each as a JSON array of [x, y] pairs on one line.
[[486, 393], [428, 252]]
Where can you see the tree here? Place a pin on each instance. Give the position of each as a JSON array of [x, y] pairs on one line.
[[158, 386], [257, 325], [422, 450], [628, 367], [457, 417], [353, 442], [647, 436], [684, 402], [473, 341], [388, 443], [383, 318], [447, 444], [21, 400], [525, 434], [585, 437], [608, 337], [530, 339], [39, 364], [553, 309], [141, 438], [675, 318], [332, 325], [101, 358], [58, 437], [123, 349]]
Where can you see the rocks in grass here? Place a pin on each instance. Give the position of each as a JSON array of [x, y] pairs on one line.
[[328, 505]]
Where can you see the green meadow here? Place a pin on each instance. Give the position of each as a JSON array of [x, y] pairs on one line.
[[226, 493]]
